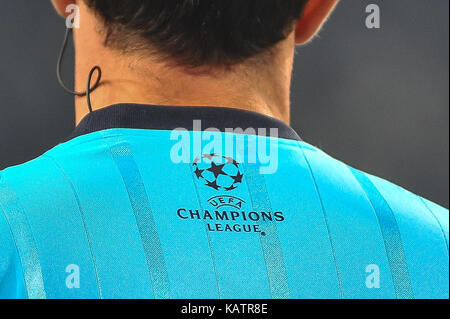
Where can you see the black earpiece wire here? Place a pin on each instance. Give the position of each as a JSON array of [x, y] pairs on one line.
[[89, 89]]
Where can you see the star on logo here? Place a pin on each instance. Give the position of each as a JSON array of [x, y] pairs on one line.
[[216, 169], [209, 156], [230, 188], [238, 178], [217, 172], [231, 160], [198, 172], [213, 184]]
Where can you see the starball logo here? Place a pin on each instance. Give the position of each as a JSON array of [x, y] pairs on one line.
[[228, 213], [218, 172]]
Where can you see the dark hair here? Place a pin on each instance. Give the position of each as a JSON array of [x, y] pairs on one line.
[[197, 32]]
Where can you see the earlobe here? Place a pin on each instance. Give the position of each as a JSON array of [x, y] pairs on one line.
[[61, 5], [314, 15]]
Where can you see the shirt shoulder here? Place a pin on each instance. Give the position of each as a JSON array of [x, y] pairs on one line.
[[389, 201], [432, 218], [11, 274], [24, 190]]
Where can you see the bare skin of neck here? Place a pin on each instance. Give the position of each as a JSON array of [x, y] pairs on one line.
[[261, 85]]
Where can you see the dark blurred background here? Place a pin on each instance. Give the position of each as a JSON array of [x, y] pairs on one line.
[[377, 99]]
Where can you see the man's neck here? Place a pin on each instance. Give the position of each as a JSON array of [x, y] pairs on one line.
[[254, 85]]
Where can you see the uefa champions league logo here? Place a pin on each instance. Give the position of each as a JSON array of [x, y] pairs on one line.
[[228, 213], [218, 172]]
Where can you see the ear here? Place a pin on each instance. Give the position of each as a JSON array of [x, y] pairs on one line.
[[313, 17], [61, 5]]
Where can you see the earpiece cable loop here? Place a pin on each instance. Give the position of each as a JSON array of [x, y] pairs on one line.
[[89, 88]]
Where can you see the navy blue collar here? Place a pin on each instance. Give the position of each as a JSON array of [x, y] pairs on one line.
[[155, 117]]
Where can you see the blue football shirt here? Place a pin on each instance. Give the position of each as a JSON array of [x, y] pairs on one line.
[[140, 202]]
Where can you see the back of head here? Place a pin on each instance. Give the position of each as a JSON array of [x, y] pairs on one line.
[[197, 32]]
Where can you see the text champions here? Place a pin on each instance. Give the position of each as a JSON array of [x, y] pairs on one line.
[[231, 221]]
